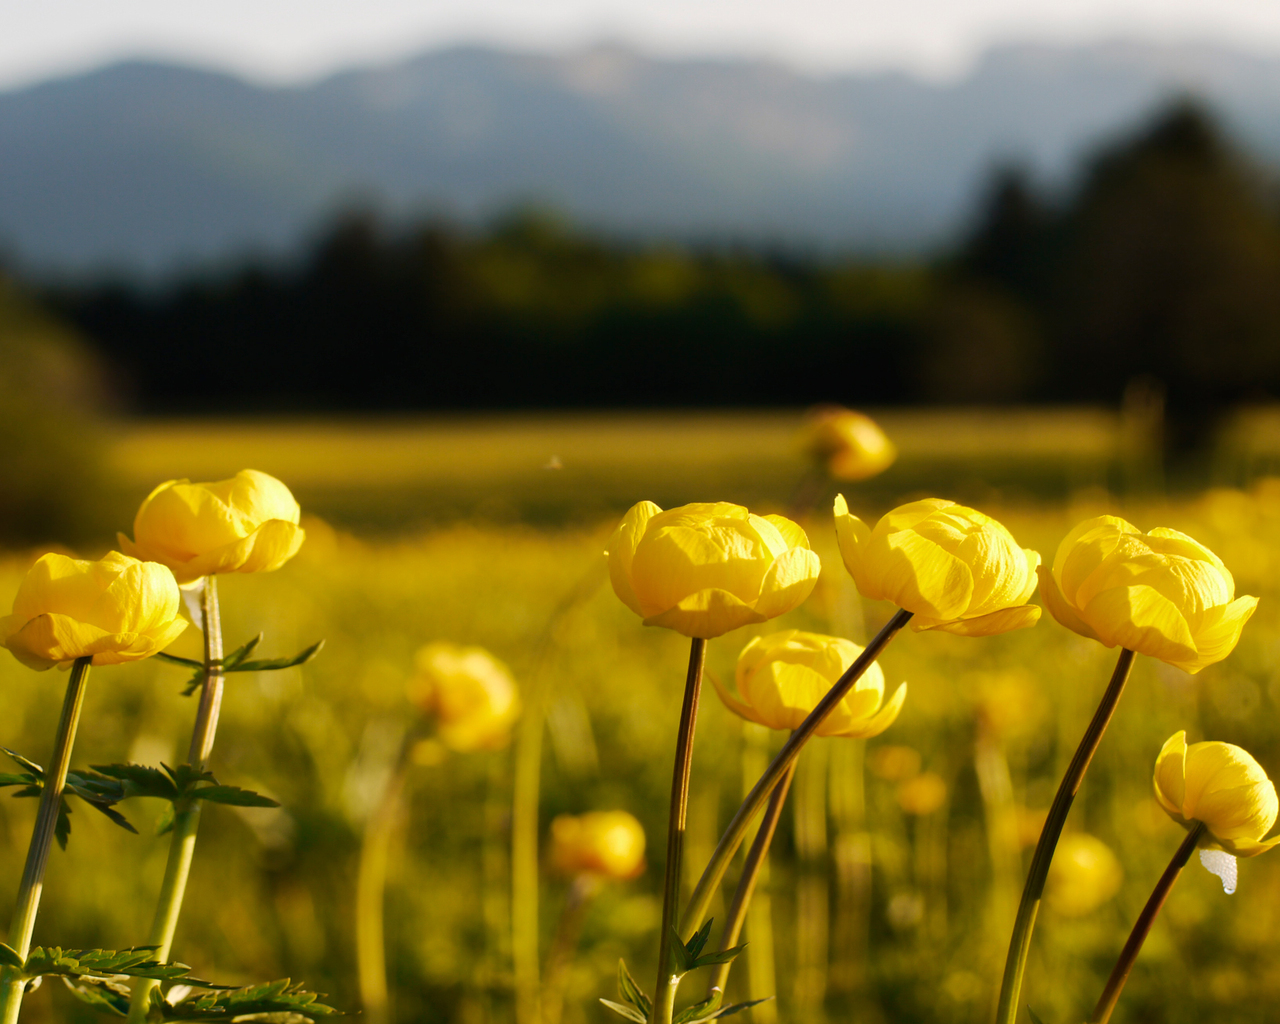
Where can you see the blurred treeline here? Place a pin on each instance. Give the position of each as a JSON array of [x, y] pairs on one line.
[[1160, 272]]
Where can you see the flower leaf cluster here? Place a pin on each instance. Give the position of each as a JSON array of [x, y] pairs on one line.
[[238, 661]]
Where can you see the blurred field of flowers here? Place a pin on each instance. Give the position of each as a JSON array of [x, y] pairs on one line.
[[899, 861]]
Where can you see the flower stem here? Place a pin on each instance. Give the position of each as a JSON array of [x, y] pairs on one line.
[[29, 890], [714, 873], [186, 813], [371, 884], [1020, 942], [665, 990], [1129, 955], [560, 956], [750, 874]]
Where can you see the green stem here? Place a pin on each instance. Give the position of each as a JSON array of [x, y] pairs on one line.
[[371, 884], [1020, 942], [29, 890], [759, 795], [186, 814], [560, 956], [665, 989], [747, 883], [1129, 955]]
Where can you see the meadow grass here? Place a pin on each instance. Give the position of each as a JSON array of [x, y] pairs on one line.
[[918, 907]]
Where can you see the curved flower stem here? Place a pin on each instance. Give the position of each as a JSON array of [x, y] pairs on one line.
[[1020, 942], [560, 957], [1129, 955], [186, 814], [736, 831], [32, 884], [750, 873], [371, 885], [665, 990]]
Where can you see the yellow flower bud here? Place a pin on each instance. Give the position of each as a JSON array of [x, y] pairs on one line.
[[608, 843], [470, 693], [923, 794], [952, 567], [246, 524], [1159, 593], [1083, 876], [781, 678], [1221, 785], [117, 609], [705, 569], [849, 445]]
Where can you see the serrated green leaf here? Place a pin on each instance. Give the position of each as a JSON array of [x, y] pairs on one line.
[[29, 765], [276, 664], [251, 1003], [15, 779], [237, 656], [186, 778], [624, 1010], [681, 962], [62, 826], [698, 1011], [173, 659], [139, 780], [100, 993], [9, 957], [698, 940], [233, 795], [632, 992], [729, 1011], [136, 962], [723, 956]]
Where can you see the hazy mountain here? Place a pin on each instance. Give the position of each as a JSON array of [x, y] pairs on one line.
[[144, 163]]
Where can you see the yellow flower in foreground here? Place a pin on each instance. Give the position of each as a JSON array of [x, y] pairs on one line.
[[781, 678], [1159, 593], [1220, 785], [953, 567], [1083, 876], [848, 444], [608, 843], [246, 524], [470, 693], [704, 569], [116, 609]]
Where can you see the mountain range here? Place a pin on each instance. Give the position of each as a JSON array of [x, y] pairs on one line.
[[145, 165]]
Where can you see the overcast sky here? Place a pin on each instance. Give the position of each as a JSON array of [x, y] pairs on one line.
[[296, 40]]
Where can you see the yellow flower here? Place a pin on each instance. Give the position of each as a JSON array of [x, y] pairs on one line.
[[608, 843], [116, 609], [246, 524], [952, 567], [704, 569], [848, 444], [923, 794], [1083, 876], [1159, 593], [470, 692], [781, 678], [1220, 785]]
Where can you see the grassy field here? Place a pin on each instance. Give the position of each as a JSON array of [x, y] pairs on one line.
[[455, 530]]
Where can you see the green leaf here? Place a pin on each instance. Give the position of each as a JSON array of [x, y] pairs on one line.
[[136, 962], [632, 992], [698, 940], [1032, 1014], [140, 780], [233, 659], [729, 1011], [100, 993], [271, 1001], [275, 664], [698, 1011], [173, 659], [682, 963], [723, 956], [234, 796], [30, 766], [624, 1010], [14, 779], [9, 956], [164, 823], [186, 778]]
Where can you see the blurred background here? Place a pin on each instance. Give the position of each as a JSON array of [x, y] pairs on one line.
[[473, 279]]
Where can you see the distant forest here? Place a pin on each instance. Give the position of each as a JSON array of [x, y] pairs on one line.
[[1162, 267]]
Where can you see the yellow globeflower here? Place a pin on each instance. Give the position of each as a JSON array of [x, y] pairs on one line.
[[954, 568], [116, 609], [1220, 785], [246, 524], [1159, 593], [704, 569], [1083, 876], [849, 445], [606, 843], [923, 794], [781, 678], [470, 693]]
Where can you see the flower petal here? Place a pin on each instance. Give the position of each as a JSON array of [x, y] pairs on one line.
[[1058, 607], [706, 614], [1170, 779], [788, 582], [1003, 621]]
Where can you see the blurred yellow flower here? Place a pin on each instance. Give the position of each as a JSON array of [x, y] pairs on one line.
[[470, 693], [781, 678], [923, 794], [606, 843], [117, 609], [1083, 876], [954, 568], [1160, 593], [1221, 785], [849, 445], [704, 569], [894, 763], [246, 524]]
